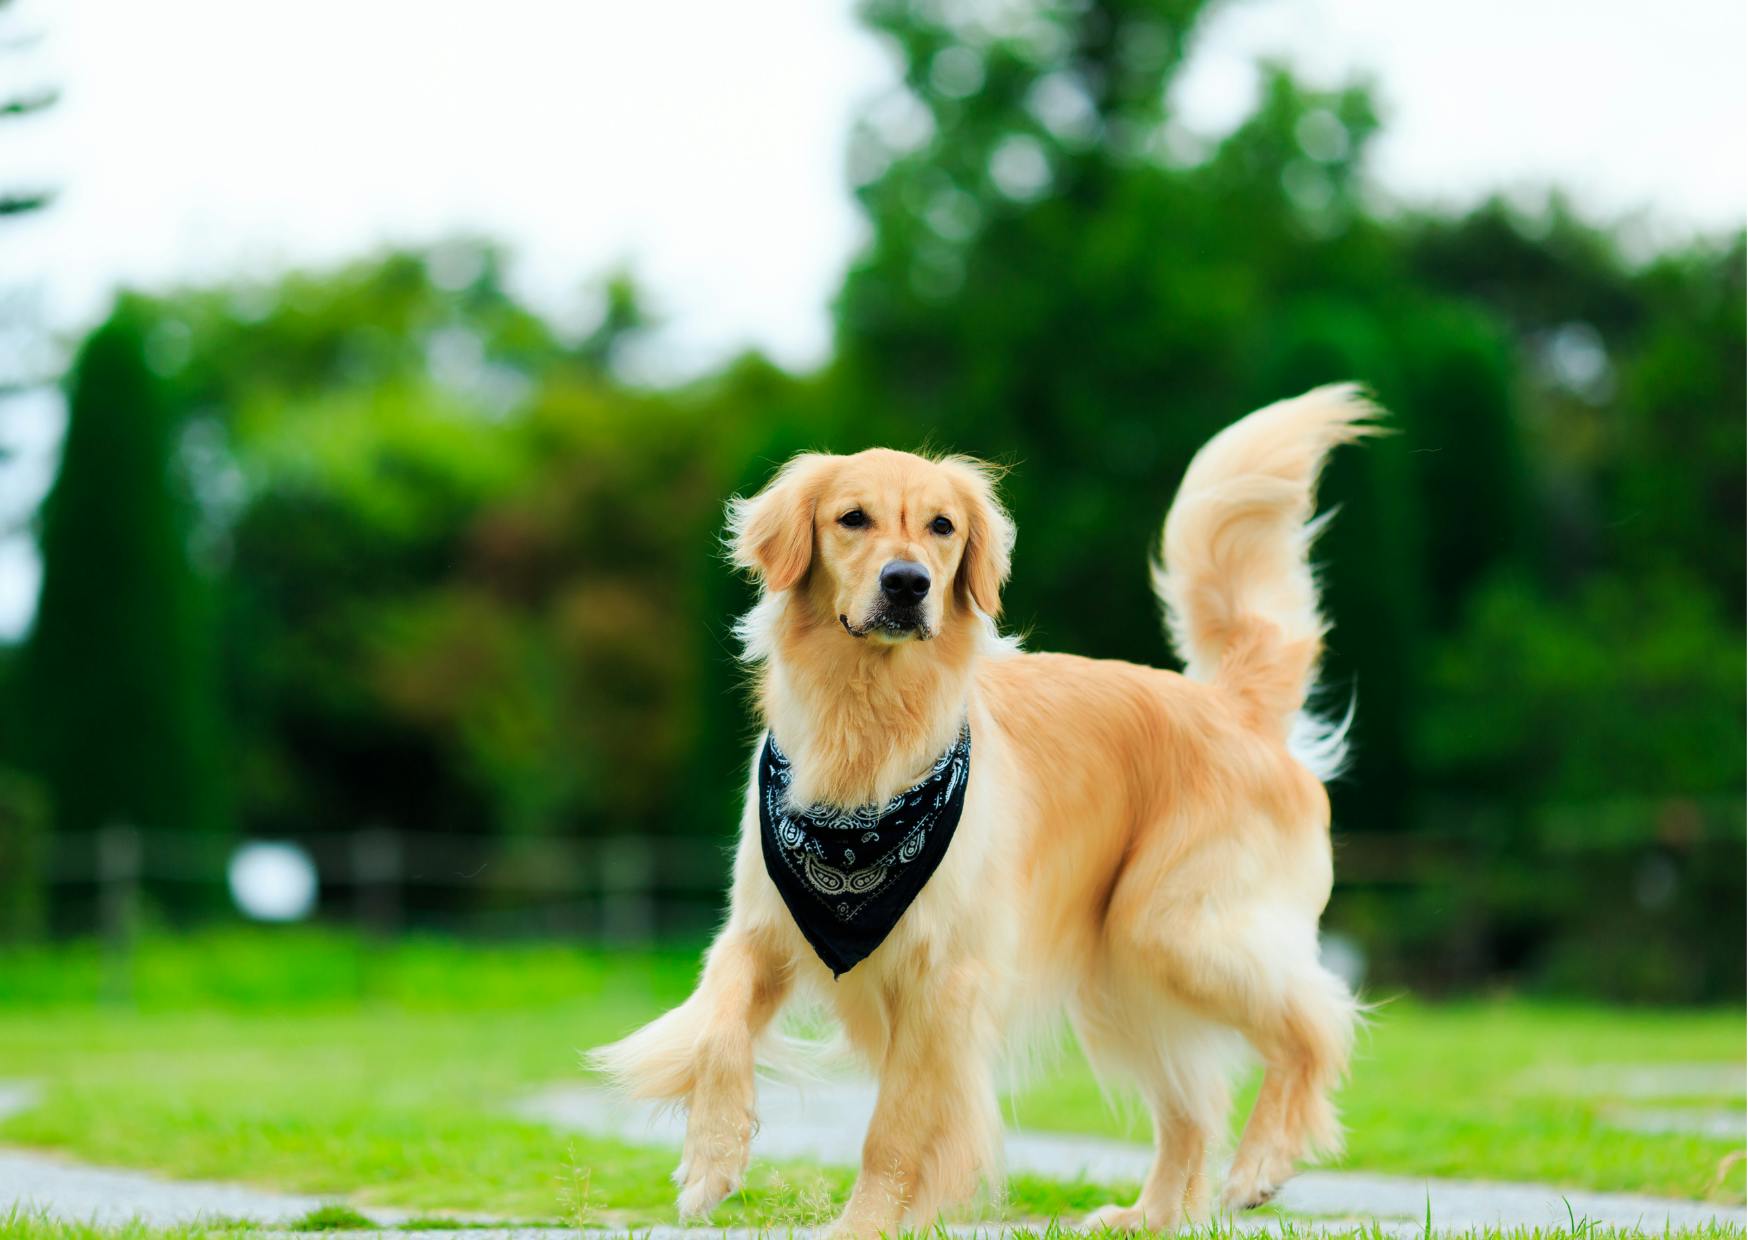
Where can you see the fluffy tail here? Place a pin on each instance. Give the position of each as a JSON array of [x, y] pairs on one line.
[[1234, 571]]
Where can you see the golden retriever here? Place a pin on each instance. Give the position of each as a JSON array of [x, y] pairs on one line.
[[1147, 850]]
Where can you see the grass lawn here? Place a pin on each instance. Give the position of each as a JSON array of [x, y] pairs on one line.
[[1486, 1090], [26, 1227], [314, 1063]]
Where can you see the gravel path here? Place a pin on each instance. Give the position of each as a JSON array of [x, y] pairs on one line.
[[825, 1123]]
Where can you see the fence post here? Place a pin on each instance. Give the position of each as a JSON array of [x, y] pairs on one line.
[[376, 879], [24, 846], [627, 899], [119, 857]]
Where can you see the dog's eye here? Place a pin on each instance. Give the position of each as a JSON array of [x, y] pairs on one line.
[[854, 519], [941, 526]]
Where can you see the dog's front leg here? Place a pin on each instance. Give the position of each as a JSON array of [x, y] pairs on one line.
[[701, 1053], [936, 1127], [743, 985]]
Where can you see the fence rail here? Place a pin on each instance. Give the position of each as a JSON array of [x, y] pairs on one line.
[[623, 888], [632, 888]]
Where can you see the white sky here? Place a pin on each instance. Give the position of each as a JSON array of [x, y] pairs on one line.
[[702, 142]]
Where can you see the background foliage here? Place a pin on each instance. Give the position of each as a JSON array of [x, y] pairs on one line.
[[382, 546]]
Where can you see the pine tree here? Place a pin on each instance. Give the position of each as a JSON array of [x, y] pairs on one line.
[[120, 703]]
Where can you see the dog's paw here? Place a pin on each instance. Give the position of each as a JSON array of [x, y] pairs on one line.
[[1115, 1218], [1250, 1186], [1234, 1200], [713, 1159], [701, 1193]]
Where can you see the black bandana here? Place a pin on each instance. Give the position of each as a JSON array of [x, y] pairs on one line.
[[847, 875]]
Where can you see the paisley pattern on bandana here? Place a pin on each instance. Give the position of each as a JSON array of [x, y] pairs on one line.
[[848, 874]]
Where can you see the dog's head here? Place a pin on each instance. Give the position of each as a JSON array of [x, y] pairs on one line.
[[892, 546]]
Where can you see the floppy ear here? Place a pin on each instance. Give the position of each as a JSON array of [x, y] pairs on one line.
[[989, 536], [771, 534]]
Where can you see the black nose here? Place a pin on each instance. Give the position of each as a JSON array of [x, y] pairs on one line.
[[904, 581]]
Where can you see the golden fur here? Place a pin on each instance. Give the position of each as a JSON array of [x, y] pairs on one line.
[[1147, 850]]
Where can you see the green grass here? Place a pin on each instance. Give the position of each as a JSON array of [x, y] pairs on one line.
[[318, 1064], [1476, 1090], [18, 1226]]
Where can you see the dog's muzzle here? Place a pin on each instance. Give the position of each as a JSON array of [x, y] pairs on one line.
[[891, 622]]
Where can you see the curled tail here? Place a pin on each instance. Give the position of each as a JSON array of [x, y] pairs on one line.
[[1234, 571]]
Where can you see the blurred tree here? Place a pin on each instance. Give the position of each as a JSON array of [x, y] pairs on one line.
[[623, 317], [25, 350], [1632, 595], [15, 104], [1051, 281], [467, 570], [119, 693]]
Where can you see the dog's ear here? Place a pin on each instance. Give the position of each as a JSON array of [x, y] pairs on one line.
[[989, 535], [771, 534]]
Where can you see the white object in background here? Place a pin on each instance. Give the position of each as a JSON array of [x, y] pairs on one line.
[[272, 881], [1343, 957]]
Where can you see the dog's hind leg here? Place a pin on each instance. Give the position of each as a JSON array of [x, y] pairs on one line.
[[1304, 1041], [701, 1054], [1183, 1064], [1261, 976]]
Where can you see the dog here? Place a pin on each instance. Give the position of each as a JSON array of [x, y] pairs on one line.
[[1146, 850]]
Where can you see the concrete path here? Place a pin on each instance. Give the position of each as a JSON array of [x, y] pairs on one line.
[[1650, 1086], [111, 1197], [825, 1123]]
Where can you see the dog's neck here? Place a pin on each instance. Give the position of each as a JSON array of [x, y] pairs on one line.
[[861, 719]]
